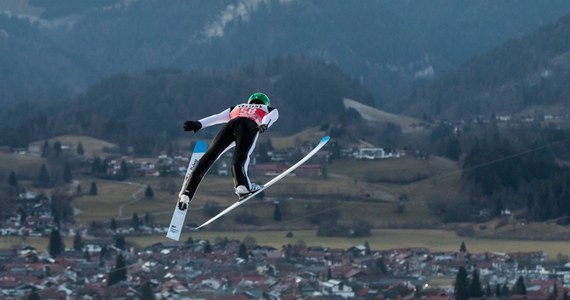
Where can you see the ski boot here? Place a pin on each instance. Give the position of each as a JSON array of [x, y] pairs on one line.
[[183, 201], [243, 192]]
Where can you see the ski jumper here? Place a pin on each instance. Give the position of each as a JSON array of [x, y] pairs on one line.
[[241, 131]]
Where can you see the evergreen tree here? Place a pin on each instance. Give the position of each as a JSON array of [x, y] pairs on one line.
[[135, 221], [367, 248], [80, 151], [329, 273], [56, 246], [498, 290], [86, 255], [488, 292], [146, 292], [104, 253], [78, 241], [242, 253], [148, 219], [119, 272], [418, 292], [43, 177], [381, 266], [67, 176], [277, 213], [96, 165], [519, 288], [554, 293], [452, 149], [120, 242], [461, 287], [93, 189], [124, 171], [57, 148], [208, 248], [46, 149], [565, 295], [113, 224], [475, 288], [78, 190], [148, 193], [12, 179], [499, 207], [505, 291], [462, 248]]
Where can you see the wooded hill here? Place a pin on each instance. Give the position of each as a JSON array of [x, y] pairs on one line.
[[533, 70], [149, 108]]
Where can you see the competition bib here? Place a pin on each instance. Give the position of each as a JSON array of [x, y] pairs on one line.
[[254, 112]]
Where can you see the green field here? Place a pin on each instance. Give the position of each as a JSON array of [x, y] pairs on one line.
[[299, 197], [382, 239], [22, 165], [91, 146]]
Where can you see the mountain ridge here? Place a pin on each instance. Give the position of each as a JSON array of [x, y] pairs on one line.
[[529, 71], [389, 45]]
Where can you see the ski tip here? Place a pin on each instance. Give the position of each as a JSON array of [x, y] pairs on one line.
[[196, 228], [325, 139], [200, 146]]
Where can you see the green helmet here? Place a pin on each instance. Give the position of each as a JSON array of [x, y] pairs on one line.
[[260, 97]]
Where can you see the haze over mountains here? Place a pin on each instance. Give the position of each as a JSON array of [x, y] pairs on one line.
[[50, 50], [526, 73]]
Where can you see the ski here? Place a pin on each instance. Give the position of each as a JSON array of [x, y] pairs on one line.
[[323, 141], [178, 217]]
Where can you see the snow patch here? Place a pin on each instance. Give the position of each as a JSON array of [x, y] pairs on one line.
[[238, 12], [235, 12], [426, 73], [121, 5]]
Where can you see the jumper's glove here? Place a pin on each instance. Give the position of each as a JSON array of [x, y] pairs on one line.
[[192, 126], [262, 128]]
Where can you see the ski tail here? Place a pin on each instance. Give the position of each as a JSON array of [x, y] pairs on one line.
[[178, 217], [321, 144]]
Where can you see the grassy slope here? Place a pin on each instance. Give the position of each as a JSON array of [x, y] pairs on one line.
[[22, 165], [353, 187], [91, 146]]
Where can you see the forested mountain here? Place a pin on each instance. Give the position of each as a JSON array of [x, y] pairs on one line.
[[525, 72], [52, 49], [148, 109]]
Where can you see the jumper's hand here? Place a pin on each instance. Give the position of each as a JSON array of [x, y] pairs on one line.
[[192, 126], [262, 128]]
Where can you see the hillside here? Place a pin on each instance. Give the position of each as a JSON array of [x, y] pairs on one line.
[[147, 110], [54, 49], [531, 71], [91, 146]]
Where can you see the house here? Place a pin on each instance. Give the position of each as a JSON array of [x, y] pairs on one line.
[[337, 288], [532, 257]]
